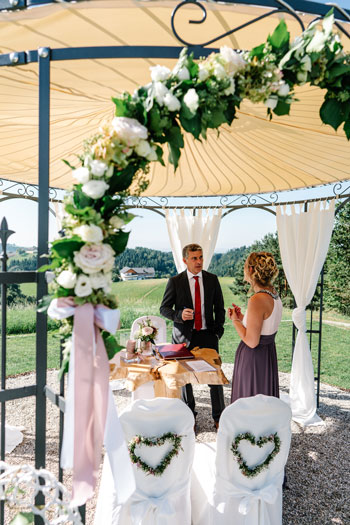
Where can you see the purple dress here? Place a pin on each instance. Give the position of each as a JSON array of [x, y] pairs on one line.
[[255, 370]]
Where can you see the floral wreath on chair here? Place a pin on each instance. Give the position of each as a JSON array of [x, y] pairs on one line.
[[193, 97], [251, 472], [173, 438]]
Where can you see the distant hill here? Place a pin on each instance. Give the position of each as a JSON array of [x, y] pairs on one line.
[[164, 266]]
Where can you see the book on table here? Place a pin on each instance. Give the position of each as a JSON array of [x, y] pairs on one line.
[[174, 351]]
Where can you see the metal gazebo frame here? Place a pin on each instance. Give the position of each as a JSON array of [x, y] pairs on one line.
[[44, 56]]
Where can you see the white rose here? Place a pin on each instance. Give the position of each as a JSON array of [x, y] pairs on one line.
[[116, 222], [107, 289], [183, 74], [81, 175], [160, 73], [160, 91], [172, 102], [99, 280], [89, 233], [152, 155], [327, 24], [67, 279], [305, 63], [219, 71], [98, 167], [317, 43], [147, 330], [129, 130], [283, 90], [94, 258], [231, 89], [271, 102], [234, 60], [95, 188], [203, 73], [110, 171], [302, 76], [191, 100], [143, 148], [83, 286]]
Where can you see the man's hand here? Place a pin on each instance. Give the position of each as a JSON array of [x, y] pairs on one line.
[[187, 314]]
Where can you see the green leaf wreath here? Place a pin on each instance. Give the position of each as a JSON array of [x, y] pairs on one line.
[[250, 472], [173, 438], [193, 97]]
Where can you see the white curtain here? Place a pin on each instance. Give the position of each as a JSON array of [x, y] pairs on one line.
[[200, 226], [304, 238]]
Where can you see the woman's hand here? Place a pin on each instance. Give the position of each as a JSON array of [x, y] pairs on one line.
[[235, 313]]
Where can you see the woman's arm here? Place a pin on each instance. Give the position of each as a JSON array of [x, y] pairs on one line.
[[257, 309]]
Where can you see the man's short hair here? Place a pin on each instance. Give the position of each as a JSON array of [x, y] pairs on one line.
[[190, 248]]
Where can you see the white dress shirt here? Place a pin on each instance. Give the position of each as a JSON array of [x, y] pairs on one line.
[[192, 283]]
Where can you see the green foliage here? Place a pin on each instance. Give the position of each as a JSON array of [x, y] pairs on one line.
[[337, 291], [23, 518], [64, 248], [111, 344], [15, 296], [279, 39]]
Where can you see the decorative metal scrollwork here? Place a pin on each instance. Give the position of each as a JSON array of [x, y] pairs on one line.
[[146, 202], [281, 7], [250, 200]]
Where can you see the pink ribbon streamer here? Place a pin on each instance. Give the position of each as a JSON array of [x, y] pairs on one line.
[[90, 401]]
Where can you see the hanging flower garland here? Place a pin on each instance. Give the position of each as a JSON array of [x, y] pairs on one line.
[[171, 437], [251, 472], [194, 97]]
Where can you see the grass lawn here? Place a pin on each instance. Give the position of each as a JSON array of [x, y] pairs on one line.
[[21, 353], [137, 298]]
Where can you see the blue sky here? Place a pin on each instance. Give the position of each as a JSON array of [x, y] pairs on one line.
[[149, 229]]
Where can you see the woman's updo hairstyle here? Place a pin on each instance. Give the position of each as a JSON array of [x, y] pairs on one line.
[[264, 267]]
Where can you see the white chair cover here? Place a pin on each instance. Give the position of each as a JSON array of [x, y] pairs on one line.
[[220, 493], [158, 500], [156, 321]]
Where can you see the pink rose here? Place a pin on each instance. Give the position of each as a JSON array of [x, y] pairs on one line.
[[94, 258], [147, 330]]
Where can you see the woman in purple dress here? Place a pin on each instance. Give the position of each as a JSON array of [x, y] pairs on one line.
[[255, 370]]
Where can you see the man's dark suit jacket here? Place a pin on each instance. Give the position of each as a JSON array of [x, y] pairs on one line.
[[177, 296]]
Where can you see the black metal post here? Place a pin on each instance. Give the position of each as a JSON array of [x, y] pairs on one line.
[[4, 235], [318, 377], [43, 234]]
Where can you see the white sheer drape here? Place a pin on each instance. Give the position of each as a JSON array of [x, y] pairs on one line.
[[304, 238], [199, 226]]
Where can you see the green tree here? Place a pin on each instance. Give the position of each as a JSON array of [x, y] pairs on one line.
[[337, 291], [15, 296]]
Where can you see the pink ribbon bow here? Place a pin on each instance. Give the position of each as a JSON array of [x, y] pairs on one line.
[[90, 400]]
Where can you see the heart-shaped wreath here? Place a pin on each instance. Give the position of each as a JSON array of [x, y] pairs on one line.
[[262, 440], [175, 439]]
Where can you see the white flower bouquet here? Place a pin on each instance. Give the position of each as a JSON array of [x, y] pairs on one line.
[[146, 332]]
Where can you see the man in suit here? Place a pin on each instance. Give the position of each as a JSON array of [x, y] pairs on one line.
[[193, 301]]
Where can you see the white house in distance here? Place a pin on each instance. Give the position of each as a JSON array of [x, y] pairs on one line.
[[135, 274]]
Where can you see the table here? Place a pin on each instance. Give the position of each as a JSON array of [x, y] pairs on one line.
[[167, 377]]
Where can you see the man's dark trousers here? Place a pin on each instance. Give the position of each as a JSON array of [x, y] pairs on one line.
[[205, 339]]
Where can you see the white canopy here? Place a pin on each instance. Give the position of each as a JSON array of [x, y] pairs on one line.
[[253, 155]]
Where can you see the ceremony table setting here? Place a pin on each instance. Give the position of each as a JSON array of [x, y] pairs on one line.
[[168, 376]]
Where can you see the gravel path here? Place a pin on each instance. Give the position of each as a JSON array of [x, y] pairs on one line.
[[318, 466]]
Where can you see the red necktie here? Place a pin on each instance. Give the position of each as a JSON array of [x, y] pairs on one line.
[[197, 305]]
